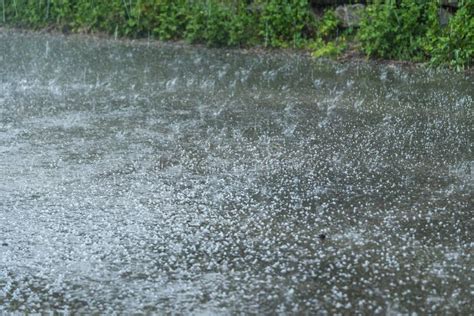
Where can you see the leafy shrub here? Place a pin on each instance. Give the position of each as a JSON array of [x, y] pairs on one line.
[[391, 29], [243, 26], [212, 24], [455, 44], [395, 31], [328, 49], [284, 22], [108, 16], [410, 30], [172, 17], [328, 25]]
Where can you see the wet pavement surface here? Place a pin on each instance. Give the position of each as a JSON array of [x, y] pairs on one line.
[[146, 177]]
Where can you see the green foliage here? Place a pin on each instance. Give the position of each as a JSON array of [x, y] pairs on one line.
[[454, 45], [410, 30], [391, 29], [328, 25], [108, 16], [172, 18], [162, 19], [30, 13], [219, 24], [395, 31], [62, 11], [328, 41], [242, 27], [209, 23], [275, 23], [284, 22], [333, 48]]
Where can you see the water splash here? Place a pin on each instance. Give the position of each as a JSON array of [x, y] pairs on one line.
[[162, 178]]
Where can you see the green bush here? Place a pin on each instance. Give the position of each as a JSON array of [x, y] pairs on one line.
[[285, 22], [243, 26], [172, 19], [410, 30], [395, 30], [328, 41], [454, 45], [209, 23], [390, 29], [108, 16], [328, 25], [328, 48], [26, 12]]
